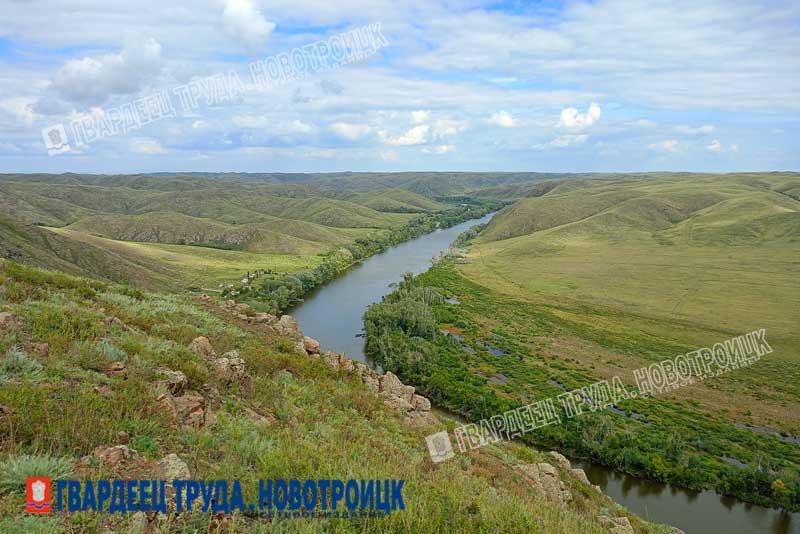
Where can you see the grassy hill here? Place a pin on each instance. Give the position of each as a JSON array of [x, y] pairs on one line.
[[591, 279], [76, 351]]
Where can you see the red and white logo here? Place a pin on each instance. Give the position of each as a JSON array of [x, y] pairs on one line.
[[37, 494]]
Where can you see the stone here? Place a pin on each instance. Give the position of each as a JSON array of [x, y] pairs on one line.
[[113, 457], [616, 525], [421, 404], [311, 345], [5, 410], [42, 348], [258, 418], [546, 480], [190, 408], [201, 346], [331, 359], [102, 390], [560, 460], [231, 369], [211, 393], [123, 437], [176, 381], [7, 320], [116, 369], [300, 348], [390, 384], [346, 364], [287, 326], [397, 404], [173, 468], [262, 317], [420, 419], [580, 476]]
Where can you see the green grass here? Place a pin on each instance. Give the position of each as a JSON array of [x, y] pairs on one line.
[[326, 424]]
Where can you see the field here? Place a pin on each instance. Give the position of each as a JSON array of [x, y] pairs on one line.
[[591, 279]]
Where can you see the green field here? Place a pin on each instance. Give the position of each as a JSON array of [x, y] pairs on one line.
[[592, 279]]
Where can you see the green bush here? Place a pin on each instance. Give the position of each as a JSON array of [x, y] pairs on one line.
[[16, 469], [17, 365]]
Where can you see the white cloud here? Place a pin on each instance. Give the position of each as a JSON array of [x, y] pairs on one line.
[[714, 146], [350, 131], [270, 125], [646, 123], [390, 155], [418, 135], [502, 119], [243, 21], [695, 130], [420, 117], [562, 141], [669, 145], [93, 79], [448, 127], [147, 147], [439, 149], [572, 120]]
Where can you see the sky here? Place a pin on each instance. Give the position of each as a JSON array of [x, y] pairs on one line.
[[605, 85]]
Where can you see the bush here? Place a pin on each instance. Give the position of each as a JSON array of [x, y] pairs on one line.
[[17, 365], [16, 469]]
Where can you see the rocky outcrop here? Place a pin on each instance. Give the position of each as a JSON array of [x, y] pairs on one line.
[[202, 346], [171, 467], [311, 345], [175, 382], [231, 370], [112, 457], [546, 480], [559, 460], [188, 409]]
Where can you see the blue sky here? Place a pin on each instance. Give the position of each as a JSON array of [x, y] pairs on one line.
[[607, 85]]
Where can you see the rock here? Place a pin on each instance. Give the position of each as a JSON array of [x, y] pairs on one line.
[[346, 364], [560, 460], [242, 308], [176, 381], [546, 480], [211, 393], [331, 359], [116, 369], [173, 468], [300, 348], [5, 410], [258, 418], [391, 385], [42, 348], [113, 457], [242, 317], [230, 303], [397, 404], [287, 326], [580, 476], [616, 525], [311, 345], [262, 317], [7, 320], [202, 346], [421, 404], [231, 369], [123, 437], [419, 418], [191, 408]]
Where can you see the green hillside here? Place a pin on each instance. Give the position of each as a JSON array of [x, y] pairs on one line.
[[164, 403]]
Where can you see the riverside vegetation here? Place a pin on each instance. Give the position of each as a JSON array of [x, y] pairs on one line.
[[592, 279], [100, 380]]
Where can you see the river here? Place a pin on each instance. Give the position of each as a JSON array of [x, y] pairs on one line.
[[333, 314]]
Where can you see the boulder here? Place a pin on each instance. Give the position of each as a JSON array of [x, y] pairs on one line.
[[176, 381], [116, 369], [391, 385], [187, 410], [419, 419], [397, 404], [331, 359], [42, 348], [300, 348], [231, 369], [580, 476], [559, 460], [5, 410], [546, 480], [262, 317], [113, 457], [173, 468], [202, 346], [616, 525], [123, 437], [287, 326], [311, 345], [421, 404]]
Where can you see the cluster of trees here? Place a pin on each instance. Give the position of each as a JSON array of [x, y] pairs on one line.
[[277, 294], [404, 336]]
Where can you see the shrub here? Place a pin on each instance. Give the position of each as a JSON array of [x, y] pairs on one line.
[[17, 365], [16, 469]]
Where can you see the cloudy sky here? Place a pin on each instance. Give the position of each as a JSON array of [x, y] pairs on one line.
[[606, 85]]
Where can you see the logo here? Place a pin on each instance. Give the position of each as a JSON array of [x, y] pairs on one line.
[[37, 494], [55, 139], [439, 447]]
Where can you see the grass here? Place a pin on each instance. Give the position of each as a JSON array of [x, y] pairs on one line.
[[325, 424]]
